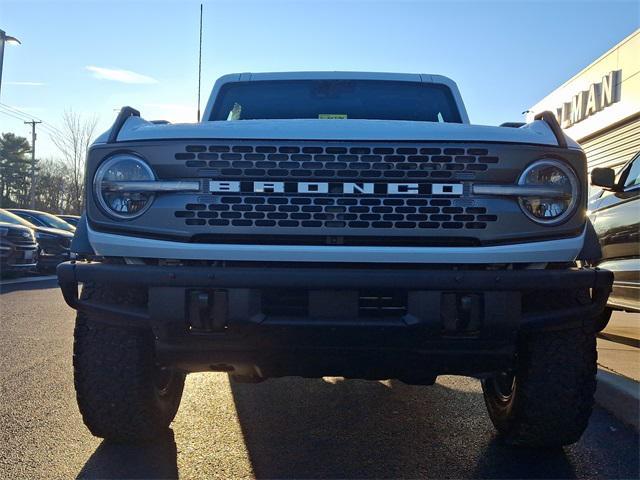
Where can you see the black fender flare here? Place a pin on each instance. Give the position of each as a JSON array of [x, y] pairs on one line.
[[80, 244], [591, 252]]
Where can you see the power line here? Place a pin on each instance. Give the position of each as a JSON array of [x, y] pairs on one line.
[[50, 130], [11, 115], [18, 112], [30, 116], [21, 116]]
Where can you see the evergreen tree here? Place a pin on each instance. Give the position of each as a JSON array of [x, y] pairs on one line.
[[15, 170]]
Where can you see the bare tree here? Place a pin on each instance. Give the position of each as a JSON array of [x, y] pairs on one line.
[[73, 143], [52, 188]]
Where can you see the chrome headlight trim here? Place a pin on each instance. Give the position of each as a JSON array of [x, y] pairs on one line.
[[575, 191], [99, 177]]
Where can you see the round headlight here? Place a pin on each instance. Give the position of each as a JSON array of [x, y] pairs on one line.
[[115, 200], [553, 206]]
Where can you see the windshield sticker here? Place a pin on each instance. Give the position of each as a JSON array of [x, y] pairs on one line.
[[332, 116]]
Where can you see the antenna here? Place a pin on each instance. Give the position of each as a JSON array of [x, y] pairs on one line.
[[200, 63]]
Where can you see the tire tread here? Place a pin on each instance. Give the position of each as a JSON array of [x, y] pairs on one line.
[[113, 376], [554, 391]]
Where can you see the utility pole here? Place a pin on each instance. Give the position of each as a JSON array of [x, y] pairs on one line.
[[32, 190]]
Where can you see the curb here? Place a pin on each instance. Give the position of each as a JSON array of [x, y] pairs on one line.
[[620, 396]]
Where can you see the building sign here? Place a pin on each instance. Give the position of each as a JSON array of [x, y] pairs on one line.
[[602, 95], [588, 102]]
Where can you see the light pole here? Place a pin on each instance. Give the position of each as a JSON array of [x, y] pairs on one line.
[[4, 38]]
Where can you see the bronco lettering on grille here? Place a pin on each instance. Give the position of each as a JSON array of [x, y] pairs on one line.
[[349, 188]]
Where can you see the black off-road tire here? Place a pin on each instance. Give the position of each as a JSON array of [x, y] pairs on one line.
[[548, 399], [122, 394], [602, 320], [245, 378]]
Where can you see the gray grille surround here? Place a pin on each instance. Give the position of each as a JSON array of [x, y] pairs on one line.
[[377, 218]]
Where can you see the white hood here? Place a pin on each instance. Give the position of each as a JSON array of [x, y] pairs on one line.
[[537, 132]]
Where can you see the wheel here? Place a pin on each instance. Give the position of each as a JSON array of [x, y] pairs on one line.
[[122, 394], [546, 401]]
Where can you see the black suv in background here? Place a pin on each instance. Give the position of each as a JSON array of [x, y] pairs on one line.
[[18, 248], [70, 219], [43, 219], [53, 243], [615, 214]]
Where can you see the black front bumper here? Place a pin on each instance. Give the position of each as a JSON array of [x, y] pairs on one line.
[[449, 321]]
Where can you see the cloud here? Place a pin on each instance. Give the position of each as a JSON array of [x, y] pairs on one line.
[[117, 75], [27, 84]]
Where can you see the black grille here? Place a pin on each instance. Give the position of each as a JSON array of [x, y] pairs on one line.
[[318, 161], [20, 237], [335, 212], [370, 303], [382, 304]]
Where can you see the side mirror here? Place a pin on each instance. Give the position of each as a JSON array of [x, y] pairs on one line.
[[604, 177]]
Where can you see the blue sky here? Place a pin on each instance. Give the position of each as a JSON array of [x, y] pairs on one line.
[[93, 57]]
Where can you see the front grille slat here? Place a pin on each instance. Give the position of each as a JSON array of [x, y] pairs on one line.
[[381, 213], [330, 161]]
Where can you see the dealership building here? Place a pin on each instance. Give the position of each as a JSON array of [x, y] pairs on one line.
[[600, 106]]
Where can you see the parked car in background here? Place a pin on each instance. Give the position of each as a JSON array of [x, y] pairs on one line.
[[615, 214], [43, 219], [70, 219], [53, 243], [18, 248]]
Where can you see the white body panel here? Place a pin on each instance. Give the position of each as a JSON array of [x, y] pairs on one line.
[[563, 250], [537, 132]]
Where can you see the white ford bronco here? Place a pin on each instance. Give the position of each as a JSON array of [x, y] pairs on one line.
[[336, 224]]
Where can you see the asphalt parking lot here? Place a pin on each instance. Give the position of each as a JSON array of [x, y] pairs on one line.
[[287, 428]]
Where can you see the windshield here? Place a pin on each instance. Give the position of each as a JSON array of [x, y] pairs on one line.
[[336, 100], [9, 217], [53, 221]]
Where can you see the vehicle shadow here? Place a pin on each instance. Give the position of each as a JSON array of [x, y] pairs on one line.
[[296, 428], [312, 428], [36, 285], [154, 460]]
